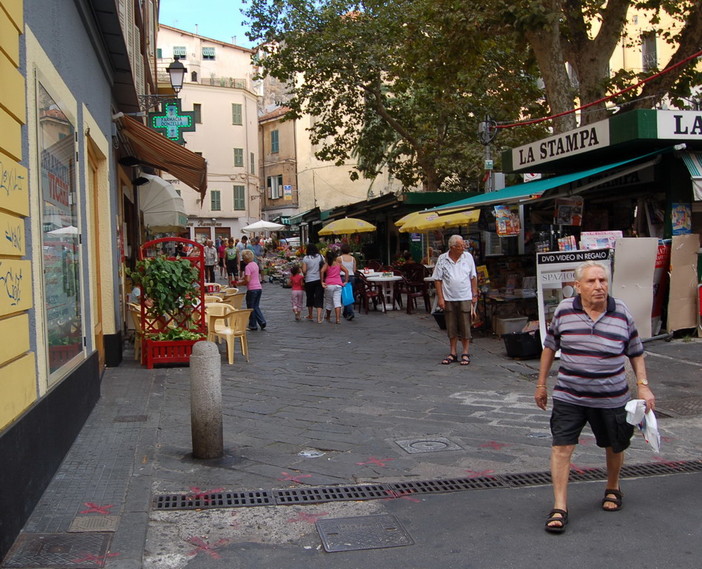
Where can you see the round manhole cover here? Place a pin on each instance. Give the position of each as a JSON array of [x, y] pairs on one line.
[[434, 444]]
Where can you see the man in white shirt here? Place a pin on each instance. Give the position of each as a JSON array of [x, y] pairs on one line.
[[210, 261], [456, 282]]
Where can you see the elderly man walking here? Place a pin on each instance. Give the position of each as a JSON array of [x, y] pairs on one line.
[[456, 282], [595, 334]]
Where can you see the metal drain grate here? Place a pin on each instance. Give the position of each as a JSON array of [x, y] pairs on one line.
[[330, 494], [207, 500], [379, 491], [451, 485]]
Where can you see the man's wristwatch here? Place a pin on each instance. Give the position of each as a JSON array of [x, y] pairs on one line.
[[642, 381]]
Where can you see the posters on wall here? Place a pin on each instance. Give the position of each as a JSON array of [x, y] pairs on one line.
[[632, 282], [507, 221], [568, 211], [681, 218], [555, 279]]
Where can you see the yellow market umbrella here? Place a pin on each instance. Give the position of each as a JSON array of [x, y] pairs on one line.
[[431, 220], [346, 226]]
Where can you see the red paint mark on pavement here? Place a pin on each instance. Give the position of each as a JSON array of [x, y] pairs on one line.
[[97, 509], [202, 546], [293, 478], [404, 494], [197, 494], [494, 445], [480, 473], [375, 461], [308, 518]]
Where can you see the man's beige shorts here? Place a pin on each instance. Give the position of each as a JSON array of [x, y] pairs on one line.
[[457, 315]]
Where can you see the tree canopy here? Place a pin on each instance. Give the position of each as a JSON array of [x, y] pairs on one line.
[[400, 86]]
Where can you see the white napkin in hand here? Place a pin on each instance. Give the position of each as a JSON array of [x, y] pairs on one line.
[[636, 414]]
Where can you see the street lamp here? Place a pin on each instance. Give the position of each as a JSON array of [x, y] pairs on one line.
[[176, 71]]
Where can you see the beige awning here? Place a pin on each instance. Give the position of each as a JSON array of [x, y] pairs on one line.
[[150, 148]]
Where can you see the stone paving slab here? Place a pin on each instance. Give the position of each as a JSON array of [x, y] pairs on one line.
[[350, 391]]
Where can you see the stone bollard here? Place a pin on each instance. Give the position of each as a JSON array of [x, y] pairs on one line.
[[206, 401]]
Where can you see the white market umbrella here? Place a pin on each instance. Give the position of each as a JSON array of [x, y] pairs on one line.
[[163, 208], [263, 225], [67, 230]]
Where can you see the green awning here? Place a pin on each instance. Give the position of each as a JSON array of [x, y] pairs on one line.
[[534, 190]]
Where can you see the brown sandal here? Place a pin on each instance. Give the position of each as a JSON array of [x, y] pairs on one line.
[[617, 500]]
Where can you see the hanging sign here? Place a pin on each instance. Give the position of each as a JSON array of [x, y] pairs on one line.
[[173, 122]]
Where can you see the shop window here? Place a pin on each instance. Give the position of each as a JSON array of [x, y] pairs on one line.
[[60, 237], [239, 198]]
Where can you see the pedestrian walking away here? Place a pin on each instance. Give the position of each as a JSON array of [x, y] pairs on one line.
[[254, 290], [349, 261], [312, 264], [210, 261], [332, 283], [456, 282], [595, 333], [297, 282]]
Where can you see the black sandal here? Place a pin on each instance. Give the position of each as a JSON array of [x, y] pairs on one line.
[[617, 500], [451, 358], [557, 515], [465, 359]]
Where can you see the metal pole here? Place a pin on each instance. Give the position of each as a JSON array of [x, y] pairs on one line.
[[206, 401]]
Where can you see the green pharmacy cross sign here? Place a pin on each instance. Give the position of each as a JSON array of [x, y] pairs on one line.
[[173, 122]]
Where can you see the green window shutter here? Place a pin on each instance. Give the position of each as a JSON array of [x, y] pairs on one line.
[[159, 53], [239, 197], [179, 51], [238, 157], [275, 142], [237, 114], [215, 200]]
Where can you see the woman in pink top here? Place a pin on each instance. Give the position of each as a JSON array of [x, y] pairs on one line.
[[253, 290], [332, 283]]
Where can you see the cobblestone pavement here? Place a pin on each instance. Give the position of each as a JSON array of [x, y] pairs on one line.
[[365, 402]]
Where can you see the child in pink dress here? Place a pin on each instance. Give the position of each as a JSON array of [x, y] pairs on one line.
[[298, 290]]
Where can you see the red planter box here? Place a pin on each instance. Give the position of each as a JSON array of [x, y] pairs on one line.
[[166, 352]]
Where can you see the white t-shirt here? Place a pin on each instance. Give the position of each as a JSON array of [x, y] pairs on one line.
[[455, 277]]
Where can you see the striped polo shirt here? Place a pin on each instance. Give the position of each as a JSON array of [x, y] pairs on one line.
[[591, 371]]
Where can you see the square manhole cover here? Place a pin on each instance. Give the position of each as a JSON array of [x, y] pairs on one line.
[[64, 550], [362, 532], [94, 523], [427, 444]]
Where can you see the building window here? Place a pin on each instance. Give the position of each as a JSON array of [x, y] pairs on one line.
[[238, 157], [61, 260], [215, 200], [193, 77], [649, 52], [239, 197], [208, 53], [197, 109], [275, 186], [237, 114], [179, 51], [252, 163], [275, 142], [159, 53]]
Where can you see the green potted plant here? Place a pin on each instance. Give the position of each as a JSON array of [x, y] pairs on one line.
[[172, 310]]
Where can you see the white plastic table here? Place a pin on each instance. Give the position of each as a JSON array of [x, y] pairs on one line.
[[388, 284]]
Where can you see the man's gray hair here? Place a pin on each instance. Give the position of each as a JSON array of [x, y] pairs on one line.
[[452, 240], [582, 267]]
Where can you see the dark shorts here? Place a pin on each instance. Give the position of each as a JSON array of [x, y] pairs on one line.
[[608, 425], [457, 316]]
